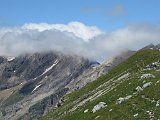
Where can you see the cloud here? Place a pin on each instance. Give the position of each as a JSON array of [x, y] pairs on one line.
[[116, 10], [131, 37], [79, 29], [19, 40]]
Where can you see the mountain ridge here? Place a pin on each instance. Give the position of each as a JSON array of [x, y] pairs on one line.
[[42, 79], [129, 91], [34, 84]]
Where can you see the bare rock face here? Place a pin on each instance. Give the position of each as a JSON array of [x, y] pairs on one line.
[[98, 70], [151, 46], [1, 60], [32, 84], [157, 46], [36, 82]]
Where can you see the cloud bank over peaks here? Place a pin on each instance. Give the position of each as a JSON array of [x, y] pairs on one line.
[[76, 38], [78, 29]]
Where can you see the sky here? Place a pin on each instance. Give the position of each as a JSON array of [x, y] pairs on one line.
[[105, 14], [96, 29]]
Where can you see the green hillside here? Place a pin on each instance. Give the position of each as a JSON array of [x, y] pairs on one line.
[[131, 91]]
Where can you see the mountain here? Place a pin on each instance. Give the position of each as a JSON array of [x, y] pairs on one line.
[[127, 92], [27, 79], [32, 84], [95, 72], [151, 46], [57, 85]]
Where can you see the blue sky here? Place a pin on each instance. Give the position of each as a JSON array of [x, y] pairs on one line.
[[105, 14], [96, 29]]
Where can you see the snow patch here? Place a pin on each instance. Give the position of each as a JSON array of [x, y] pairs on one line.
[[9, 59], [36, 87], [48, 69]]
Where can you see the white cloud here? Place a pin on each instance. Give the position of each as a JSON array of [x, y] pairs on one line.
[[79, 29], [19, 40], [131, 37], [116, 10]]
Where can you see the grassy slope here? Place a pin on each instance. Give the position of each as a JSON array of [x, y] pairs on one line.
[[125, 110]]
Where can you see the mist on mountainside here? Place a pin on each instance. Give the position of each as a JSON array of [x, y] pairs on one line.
[[75, 38]]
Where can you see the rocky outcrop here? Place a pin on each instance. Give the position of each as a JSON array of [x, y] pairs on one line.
[[98, 70], [42, 79], [151, 46]]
